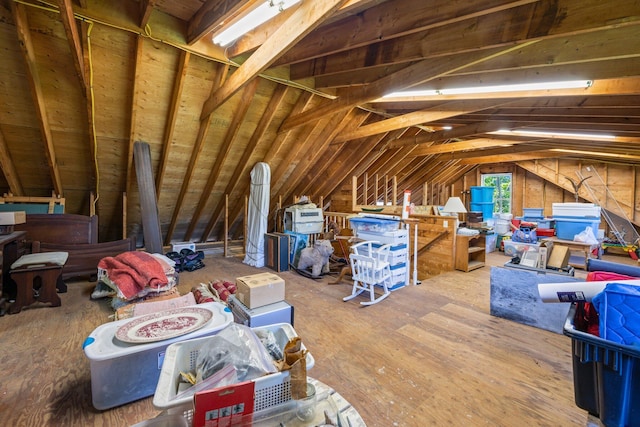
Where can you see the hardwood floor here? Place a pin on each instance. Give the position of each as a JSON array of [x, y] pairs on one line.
[[427, 355]]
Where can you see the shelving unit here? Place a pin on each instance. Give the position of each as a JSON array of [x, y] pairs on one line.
[[470, 252]]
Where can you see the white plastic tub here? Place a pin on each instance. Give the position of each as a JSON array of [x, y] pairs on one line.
[[270, 390], [122, 372], [576, 209]]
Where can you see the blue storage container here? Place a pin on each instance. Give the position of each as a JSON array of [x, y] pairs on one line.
[[481, 195], [606, 377], [485, 208], [533, 212], [568, 226]]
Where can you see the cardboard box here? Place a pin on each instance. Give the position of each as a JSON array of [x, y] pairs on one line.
[[258, 290], [12, 218], [559, 257]]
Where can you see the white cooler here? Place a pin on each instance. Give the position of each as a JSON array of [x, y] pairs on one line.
[[122, 372]]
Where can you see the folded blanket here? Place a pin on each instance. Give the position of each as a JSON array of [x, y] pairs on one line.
[[133, 271]]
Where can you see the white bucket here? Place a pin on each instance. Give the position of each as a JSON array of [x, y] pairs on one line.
[[507, 216], [502, 226]]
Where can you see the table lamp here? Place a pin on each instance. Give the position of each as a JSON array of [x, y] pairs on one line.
[[454, 206]]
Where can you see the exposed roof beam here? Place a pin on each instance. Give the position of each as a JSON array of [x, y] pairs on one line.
[[238, 117], [137, 72], [244, 164], [213, 14], [472, 144], [441, 111], [26, 44], [146, 7], [569, 18], [174, 107], [9, 169], [203, 130], [71, 30], [443, 135], [307, 17], [408, 77], [373, 24]]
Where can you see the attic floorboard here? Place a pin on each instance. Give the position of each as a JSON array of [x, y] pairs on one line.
[[427, 355]]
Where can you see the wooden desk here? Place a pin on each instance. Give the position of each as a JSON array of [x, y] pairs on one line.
[[585, 248], [12, 247]]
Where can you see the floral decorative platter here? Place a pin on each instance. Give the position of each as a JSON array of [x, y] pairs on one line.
[[163, 325]]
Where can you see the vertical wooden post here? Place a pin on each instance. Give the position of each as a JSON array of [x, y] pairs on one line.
[[246, 224], [394, 190], [365, 193], [226, 224], [425, 194], [124, 215], [354, 193]]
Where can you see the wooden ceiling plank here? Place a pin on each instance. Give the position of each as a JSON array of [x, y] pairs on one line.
[[408, 77], [174, 108], [373, 24], [85, 29], [9, 169], [244, 165], [212, 15], [35, 85], [203, 130], [71, 30], [307, 17], [223, 153]]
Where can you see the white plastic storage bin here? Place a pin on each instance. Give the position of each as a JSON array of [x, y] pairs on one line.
[[576, 209], [270, 390], [122, 372]]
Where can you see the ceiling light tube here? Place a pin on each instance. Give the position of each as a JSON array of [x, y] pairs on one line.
[[548, 134], [570, 84], [258, 16]]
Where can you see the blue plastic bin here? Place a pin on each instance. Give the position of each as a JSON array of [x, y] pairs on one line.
[[485, 208], [481, 194], [606, 377], [568, 226]]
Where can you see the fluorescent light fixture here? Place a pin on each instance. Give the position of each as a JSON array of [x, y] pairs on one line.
[[570, 84], [547, 134], [258, 16]]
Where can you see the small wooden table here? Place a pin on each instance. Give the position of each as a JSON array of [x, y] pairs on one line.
[[585, 248]]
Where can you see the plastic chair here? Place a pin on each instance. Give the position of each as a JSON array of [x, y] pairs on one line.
[[370, 268]]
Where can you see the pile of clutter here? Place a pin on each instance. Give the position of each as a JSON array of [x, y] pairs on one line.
[[217, 290], [187, 260]]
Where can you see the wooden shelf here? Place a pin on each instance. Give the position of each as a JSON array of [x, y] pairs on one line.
[[470, 252]]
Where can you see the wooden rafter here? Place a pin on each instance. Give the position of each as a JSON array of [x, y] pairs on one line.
[[22, 26], [203, 129], [71, 29], [408, 77], [225, 147], [244, 165], [212, 15], [423, 117], [356, 31], [307, 17], [174, 107], [138, 71], [146, 7], [9, 169]]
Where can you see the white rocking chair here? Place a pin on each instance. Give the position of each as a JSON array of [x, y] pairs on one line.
[[370, 268]]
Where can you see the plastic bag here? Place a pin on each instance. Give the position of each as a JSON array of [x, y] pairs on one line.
[[586, 236], [524, 235], [235, 345]]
